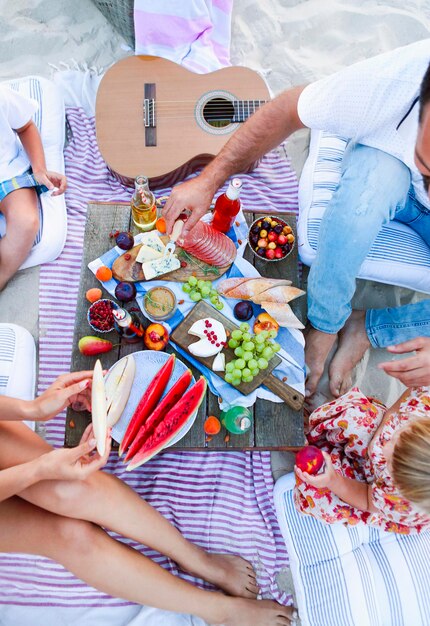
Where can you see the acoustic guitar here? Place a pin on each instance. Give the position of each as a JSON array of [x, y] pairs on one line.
[[154, 117]]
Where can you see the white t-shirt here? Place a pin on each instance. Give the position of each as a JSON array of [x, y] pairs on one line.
[[15, 111], [367, 101]]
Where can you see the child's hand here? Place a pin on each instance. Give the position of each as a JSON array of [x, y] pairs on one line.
[[51, 180], [323, 480]]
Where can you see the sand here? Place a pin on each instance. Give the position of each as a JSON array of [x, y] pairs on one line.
[[291, 42]]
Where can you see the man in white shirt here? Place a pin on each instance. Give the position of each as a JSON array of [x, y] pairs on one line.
[[23, 175], [383, 106]]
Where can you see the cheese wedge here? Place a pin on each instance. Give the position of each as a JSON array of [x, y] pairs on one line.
[[146, 253], [158, 267], [153, 241], [219, 363]]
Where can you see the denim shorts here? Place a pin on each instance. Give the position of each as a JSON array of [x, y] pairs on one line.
[[23, 181]]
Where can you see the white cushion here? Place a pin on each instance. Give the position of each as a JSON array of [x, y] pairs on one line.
[[353, 575], [17, 362], [50, 120], [398, 256]]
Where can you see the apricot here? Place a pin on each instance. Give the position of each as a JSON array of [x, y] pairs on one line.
[[264, 321], [160, 225], [156, 337], [212, 425], [93, 294], [104, 273]]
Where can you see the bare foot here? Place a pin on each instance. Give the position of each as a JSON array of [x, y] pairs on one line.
[[317, 348], [353, 344], [230, 573], [260, 613]]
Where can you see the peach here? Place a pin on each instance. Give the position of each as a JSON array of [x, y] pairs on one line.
[[310, 459], [156, 337]]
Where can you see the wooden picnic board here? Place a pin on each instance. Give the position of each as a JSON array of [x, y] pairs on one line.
[[265, 377], [129, 270], [276, 426]]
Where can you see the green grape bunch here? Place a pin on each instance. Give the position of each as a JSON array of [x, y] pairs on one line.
[[253, 354], [201, 290]]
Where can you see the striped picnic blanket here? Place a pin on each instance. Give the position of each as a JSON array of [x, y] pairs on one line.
[[222, 501], [194, 34]]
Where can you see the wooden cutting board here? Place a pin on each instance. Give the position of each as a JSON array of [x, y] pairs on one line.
[[181, 337], [130, 271]]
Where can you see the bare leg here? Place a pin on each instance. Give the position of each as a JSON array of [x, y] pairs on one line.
[[22, 223], [353, 344], [114, 568], [109, 502], [317, 349]]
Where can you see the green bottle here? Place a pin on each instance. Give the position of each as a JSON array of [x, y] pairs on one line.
[[237, 420]]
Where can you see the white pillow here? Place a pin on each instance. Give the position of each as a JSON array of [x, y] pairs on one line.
[[17, 362], [50, 120], [398, 256], [353, 575]]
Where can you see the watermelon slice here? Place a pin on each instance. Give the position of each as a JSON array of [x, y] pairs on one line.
[[148, 402], [167, 403], [172, 423]]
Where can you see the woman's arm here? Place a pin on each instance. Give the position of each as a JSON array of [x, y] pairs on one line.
[[61, 464], [352, 492], [65, 390], [32, 143]]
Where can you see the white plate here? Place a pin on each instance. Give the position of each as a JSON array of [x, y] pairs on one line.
[[148, 362]]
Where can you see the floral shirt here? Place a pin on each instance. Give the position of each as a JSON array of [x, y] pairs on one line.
[[344, 428]]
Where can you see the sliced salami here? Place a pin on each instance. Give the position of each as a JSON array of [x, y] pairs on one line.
[[209, 245]]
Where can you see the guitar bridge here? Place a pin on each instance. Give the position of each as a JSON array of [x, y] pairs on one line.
[[149, 115]]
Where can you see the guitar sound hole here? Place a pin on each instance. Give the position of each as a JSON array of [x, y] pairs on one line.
[[218, 112]]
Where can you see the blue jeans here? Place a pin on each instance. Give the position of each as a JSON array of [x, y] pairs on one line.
[[374, 188]]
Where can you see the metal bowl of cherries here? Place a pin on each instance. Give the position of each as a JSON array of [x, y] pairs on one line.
[[271, 238]]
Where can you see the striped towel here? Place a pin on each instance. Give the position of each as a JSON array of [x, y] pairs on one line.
[[194, 34], [291, 340], [23, 181], [222, 501]]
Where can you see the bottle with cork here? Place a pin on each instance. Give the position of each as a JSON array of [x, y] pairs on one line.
[[128, 325], [227, 206], [143, 207]]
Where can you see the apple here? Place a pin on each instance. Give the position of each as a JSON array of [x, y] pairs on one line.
[[310, 459]]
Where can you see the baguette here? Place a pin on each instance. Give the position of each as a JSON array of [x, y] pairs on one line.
[[283, 314], [248, 288], [281, 294], [230, 283]]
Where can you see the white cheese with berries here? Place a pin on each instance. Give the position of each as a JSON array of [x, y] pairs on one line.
[[152, 269], [209, 324], [146, 253], [212, 337]]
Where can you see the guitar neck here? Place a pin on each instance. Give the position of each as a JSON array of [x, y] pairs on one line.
[[245, 108]]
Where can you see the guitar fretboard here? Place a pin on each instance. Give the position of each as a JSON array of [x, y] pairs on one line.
[[245, 108]]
